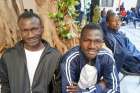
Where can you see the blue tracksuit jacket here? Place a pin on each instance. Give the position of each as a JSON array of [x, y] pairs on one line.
[[74, 60], [125, 53]]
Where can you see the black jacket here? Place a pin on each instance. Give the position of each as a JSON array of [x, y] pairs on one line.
[[14, 75]]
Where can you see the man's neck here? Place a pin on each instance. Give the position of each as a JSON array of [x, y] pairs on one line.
[[113, 30], [35, 48]]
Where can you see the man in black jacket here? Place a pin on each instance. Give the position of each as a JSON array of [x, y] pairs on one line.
[[32, 65]]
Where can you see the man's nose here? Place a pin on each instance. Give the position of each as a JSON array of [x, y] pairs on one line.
[[118, 22], [30, 34], [92, 44]]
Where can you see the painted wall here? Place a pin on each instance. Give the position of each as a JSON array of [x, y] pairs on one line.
[[127, 4], [138, 2], [29, 4]]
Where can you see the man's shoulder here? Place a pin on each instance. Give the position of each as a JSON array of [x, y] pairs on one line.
[[73, 52], [50, 49], [9, 53], [54, 51], [121, 33], [105, 50], [10, 50], [106, 54]]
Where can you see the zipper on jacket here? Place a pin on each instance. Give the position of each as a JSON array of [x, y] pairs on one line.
[[31, 89]]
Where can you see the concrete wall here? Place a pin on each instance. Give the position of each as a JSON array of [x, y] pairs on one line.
[[138, 2], [127, 4], [29, 4]]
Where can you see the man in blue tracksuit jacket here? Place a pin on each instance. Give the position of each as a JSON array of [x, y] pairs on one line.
[[125, 53], [89, 51]]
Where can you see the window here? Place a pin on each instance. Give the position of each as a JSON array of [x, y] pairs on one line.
[[107, 3]]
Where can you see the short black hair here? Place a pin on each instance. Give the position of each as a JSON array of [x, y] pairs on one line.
[[28, 14], [90, 26], [110, 14]]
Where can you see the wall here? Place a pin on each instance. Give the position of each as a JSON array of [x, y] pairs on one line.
[[29, 4], [127, 4]]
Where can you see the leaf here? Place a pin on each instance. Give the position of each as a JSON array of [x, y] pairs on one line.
[[65, 7]]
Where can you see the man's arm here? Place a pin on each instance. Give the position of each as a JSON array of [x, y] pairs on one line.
[[5, 87], [56, 80], [129, 56], [70, 73], [110, 75], [131, 47]]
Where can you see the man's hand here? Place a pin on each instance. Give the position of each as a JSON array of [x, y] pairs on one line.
[[73, 88], [102, 83]]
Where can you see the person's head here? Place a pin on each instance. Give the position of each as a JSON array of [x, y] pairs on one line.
[[31, 27], [113, 21], [109, 12], [91, 40], [103, 13]]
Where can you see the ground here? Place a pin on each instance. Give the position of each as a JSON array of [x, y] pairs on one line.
[[132, 33], [131, 84]]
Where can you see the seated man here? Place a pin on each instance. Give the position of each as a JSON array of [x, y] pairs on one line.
[[125, 53], [89, 68]]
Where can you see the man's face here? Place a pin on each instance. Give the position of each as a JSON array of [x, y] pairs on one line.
[[114, 23], [91, 42], [31, 31]]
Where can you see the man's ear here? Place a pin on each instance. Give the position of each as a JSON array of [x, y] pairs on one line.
[[19, 34]]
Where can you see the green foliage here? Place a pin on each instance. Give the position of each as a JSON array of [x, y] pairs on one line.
[[56, 16], [65, 7], [97, 14]]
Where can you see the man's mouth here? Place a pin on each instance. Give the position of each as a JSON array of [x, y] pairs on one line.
[[92, 52], [32, 40]]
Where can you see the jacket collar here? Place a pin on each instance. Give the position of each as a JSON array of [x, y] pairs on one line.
[[20, 45], [20, 48], [22, 58]]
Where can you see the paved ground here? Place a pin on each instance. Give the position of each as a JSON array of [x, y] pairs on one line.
[[132, 33], [131, 84]]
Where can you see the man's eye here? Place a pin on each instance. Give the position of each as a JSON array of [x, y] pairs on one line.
[[34, 29], [25, 30], [98, 41], [86, 40]]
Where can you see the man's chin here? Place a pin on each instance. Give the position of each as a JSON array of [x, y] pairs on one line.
[[32, 45], [91, 56], [117, 28]]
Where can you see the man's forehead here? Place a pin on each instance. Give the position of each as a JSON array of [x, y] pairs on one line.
[[30, 20], [94, 33], [115, 17]]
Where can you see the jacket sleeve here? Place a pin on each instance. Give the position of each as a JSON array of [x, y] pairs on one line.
[[131, 47], [110, 75], [129, 56], [118, 51], [56, 80], [110, 42], [5, 87], [68, 72]]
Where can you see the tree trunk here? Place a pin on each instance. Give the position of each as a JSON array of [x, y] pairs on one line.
[[8, 25], [50, 33], [10, 9]]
